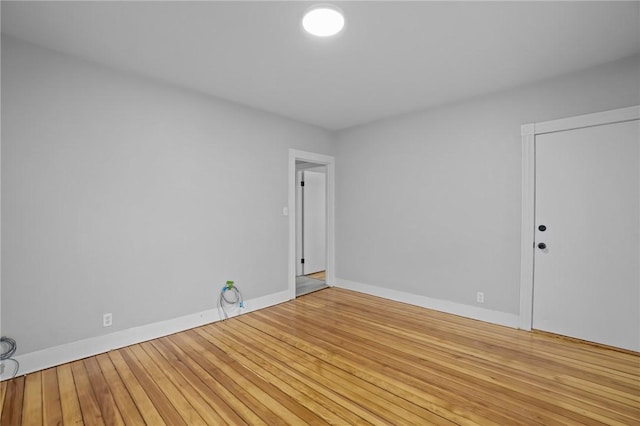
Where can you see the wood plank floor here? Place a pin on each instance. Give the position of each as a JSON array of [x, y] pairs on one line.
[[337, 357]]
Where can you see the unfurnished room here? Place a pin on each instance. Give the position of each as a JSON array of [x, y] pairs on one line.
[[343, 212]]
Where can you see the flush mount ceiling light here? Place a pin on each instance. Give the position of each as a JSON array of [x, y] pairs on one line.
[[323, 21]]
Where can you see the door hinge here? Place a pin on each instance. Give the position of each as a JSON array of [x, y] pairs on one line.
[[301, 260], [301, 183]]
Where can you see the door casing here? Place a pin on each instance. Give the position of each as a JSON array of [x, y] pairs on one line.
[[329, 162]]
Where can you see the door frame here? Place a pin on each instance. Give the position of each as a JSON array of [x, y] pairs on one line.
[[329, 162], [529, 133]]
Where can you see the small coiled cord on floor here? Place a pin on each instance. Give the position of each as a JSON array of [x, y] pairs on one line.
[[229, 296], [7, 353]]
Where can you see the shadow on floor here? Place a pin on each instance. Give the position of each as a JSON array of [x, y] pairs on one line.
[[306, 285]]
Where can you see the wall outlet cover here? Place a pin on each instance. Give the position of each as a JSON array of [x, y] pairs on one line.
[[107, 320]]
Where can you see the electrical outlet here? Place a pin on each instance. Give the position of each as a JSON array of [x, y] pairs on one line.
[[107, 320], [480, 297]]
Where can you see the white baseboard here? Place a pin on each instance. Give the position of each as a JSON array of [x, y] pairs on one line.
[[473, 312], [50, 357]]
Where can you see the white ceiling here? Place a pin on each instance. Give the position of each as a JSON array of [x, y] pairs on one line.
[[392, 58]]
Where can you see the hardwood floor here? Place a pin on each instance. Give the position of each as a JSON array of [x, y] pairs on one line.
[[337, 357]]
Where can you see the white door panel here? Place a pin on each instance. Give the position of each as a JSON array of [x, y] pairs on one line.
[[314, 222], [299, 236], [586, 281]]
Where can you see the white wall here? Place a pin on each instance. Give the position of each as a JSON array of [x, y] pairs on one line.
[[429, 203], [128, 196], [124, 195]]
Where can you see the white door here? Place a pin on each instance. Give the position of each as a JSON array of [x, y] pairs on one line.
[[299, 220], [314, 221], [587, 195]]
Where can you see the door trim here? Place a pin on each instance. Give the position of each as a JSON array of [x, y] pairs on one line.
[[329, 162], [528, 133]]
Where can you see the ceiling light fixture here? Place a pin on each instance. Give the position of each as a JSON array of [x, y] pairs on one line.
[[323, 21]]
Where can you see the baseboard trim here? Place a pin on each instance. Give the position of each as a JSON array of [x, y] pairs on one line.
[[51, 357], [473, 312]]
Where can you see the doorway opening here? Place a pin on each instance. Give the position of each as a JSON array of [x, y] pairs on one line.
[[311, 222]]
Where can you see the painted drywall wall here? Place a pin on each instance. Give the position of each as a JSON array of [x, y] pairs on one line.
[[430, 203], [124, 195]]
